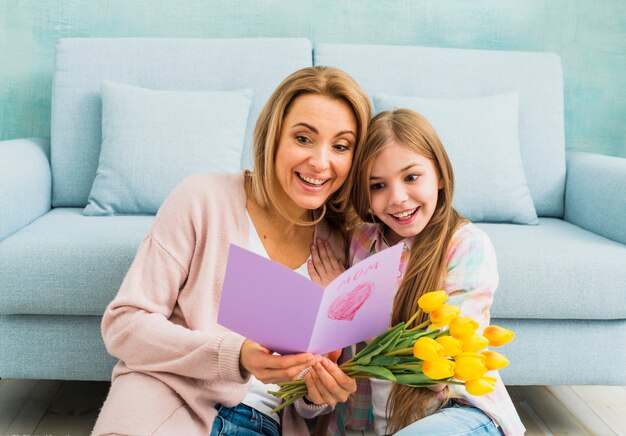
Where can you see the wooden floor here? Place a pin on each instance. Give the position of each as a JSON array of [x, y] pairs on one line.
[[50, 407]]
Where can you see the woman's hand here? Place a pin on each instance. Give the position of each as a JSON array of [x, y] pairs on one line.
[[270, 368], [323, 266], [327, 384]]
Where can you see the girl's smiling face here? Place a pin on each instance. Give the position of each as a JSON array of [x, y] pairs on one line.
[[404, 187]]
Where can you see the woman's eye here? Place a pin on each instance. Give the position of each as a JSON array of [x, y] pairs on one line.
[[412, 177], [377, 186], [341, 147], [302, 139]]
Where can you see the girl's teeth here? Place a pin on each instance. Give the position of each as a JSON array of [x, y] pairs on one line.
[[404, 214]]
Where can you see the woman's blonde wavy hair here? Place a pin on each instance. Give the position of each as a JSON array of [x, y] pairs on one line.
[[427, 265], [319, 80]]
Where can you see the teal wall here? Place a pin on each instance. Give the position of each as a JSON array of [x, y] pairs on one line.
[[590, 37]]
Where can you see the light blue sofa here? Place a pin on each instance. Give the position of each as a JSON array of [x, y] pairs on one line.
[[562, 282]]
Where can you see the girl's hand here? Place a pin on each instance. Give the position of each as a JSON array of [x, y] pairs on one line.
[[327, 384], [437, 388], [323, 266], [269, 368]]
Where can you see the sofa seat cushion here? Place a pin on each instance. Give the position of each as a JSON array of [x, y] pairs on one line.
[[557, 270], [564, 352], [65, 263], [66, 348]]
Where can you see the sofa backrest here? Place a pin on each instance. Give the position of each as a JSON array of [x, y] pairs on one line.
[[181, 64], [458, 73]]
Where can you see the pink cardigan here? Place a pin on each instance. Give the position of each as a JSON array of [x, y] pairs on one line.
[[163, 321]]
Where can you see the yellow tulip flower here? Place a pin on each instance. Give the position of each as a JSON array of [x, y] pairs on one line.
[[469, 367], [442, 316], [451, 346], [481, 386], [475, 343], [463, 327], [438, 369], [473, 355], [427, 349], [432, 301], [495, 360], [497, 335]]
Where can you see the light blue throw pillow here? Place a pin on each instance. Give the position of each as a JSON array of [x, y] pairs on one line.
[[481, 136], [152, 140]]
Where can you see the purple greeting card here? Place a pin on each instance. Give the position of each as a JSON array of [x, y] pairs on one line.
[[288, 313]]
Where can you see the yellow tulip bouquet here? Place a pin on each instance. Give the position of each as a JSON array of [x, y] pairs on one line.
[[444, 349]]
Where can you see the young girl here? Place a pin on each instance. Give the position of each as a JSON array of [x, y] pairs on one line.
[[403, 192]]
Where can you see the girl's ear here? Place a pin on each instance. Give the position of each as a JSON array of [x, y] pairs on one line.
[[440, 182]]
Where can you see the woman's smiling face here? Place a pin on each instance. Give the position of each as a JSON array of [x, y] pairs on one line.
[[315, 149], [404, 187]]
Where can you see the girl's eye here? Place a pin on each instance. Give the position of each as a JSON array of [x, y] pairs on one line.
[[377, 186], [412, 177], [302, 139]]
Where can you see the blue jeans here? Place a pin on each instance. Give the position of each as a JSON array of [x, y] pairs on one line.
[[243, 420], [457, 419]]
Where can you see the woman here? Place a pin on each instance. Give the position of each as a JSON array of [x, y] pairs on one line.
[[177, 365]]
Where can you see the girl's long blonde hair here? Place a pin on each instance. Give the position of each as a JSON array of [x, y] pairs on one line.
[[427, 265], [320, 80]]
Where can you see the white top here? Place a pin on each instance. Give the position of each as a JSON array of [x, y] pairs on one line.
[[381, 389], [257, 396]]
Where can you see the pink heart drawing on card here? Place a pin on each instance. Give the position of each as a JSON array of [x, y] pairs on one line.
[[347, 305]]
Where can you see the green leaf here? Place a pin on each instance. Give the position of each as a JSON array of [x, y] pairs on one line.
[[414, 380], [405, 342], [379, 344], [380, 338], [390, 342], [419, 333], [382, 347], [408, 359], [377, 371], [385, 360]]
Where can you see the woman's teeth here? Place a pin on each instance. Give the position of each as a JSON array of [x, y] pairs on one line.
[[312, 181]]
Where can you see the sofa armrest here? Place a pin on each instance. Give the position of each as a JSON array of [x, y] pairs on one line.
[[595, 194], [25, 183]]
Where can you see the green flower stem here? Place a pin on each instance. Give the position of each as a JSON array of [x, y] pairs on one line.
[[401, 352], [443, 333], [452, 382], [414, 317], [288, 402], [292, 389], [420, 326]]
